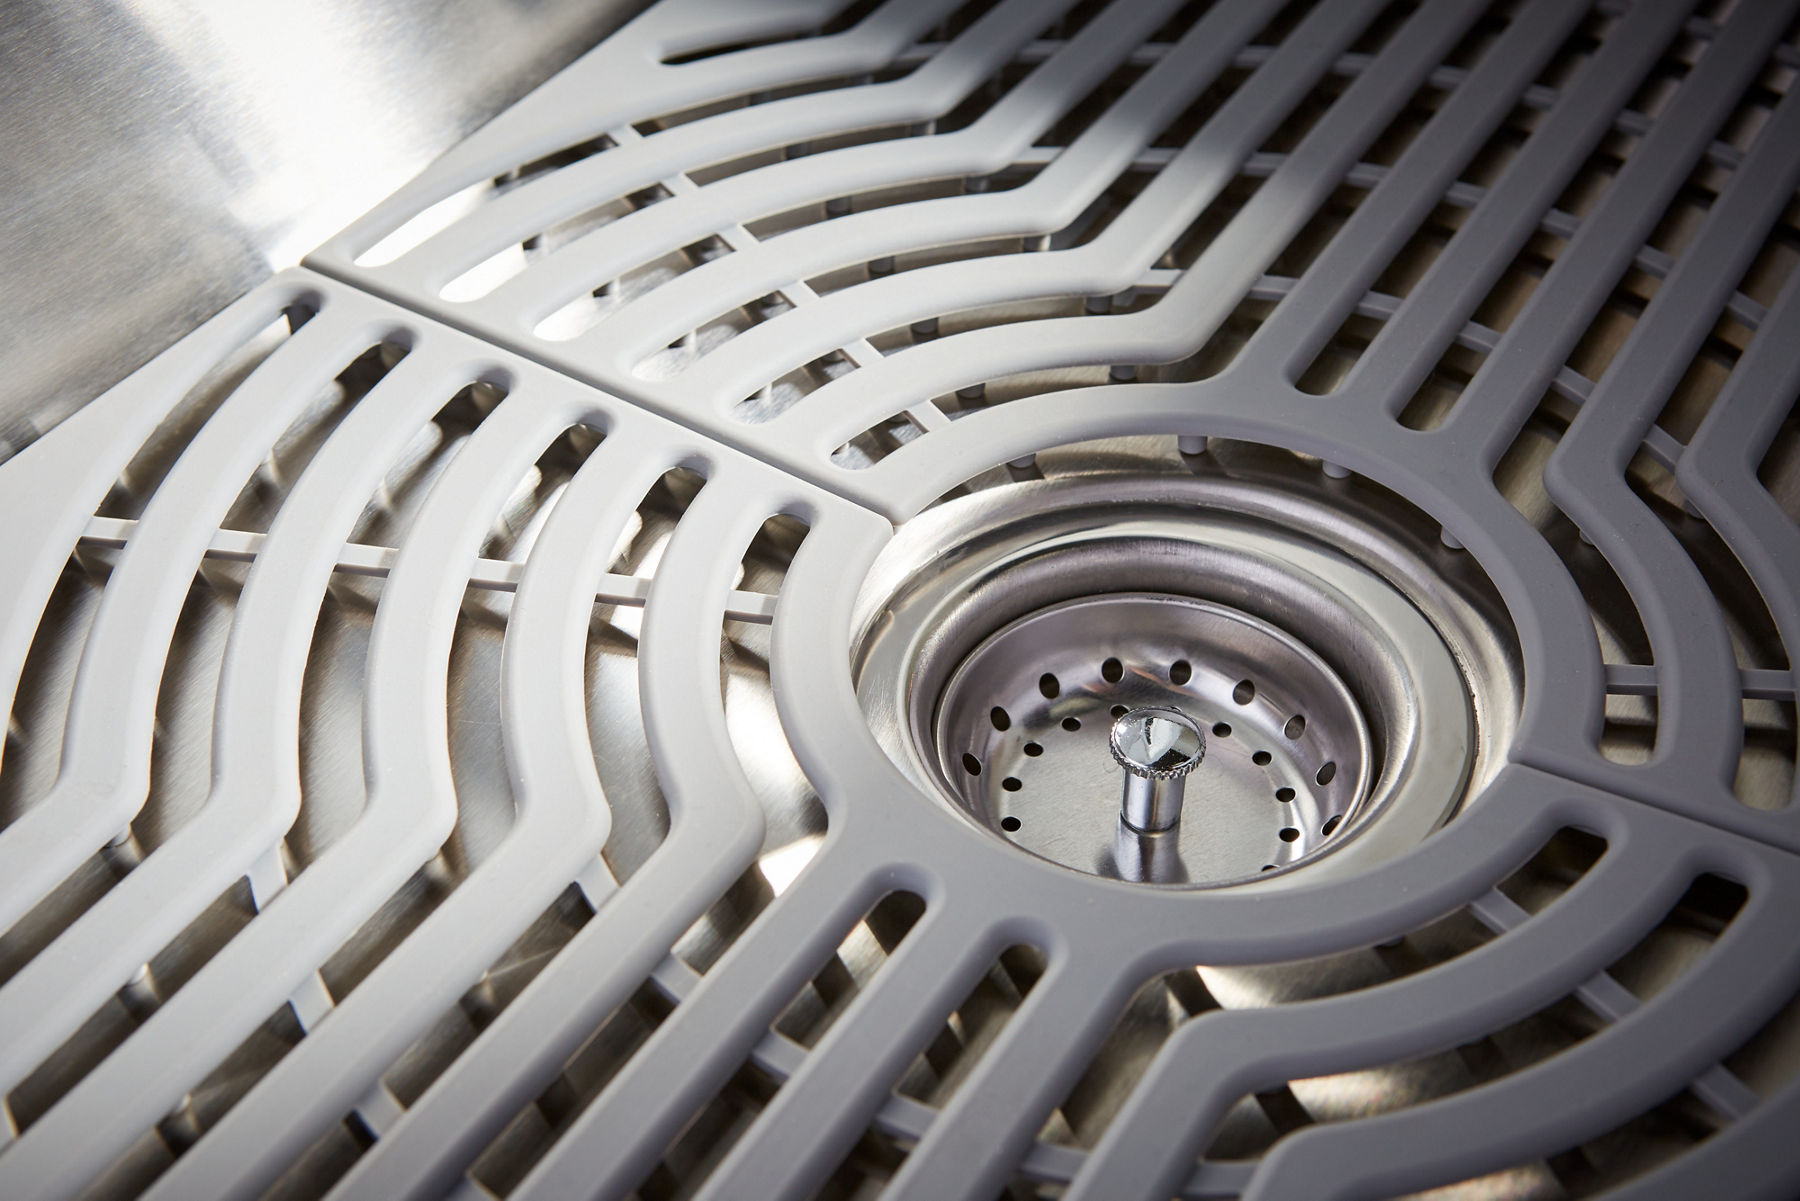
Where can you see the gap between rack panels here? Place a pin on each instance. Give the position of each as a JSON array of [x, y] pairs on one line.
[[927, 416]]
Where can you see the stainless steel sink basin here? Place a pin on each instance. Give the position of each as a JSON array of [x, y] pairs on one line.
[[646, 646]]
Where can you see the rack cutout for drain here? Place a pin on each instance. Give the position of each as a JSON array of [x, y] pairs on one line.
[[1024, 723]]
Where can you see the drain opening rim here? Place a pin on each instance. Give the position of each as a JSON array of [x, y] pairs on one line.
[[1222, 540]]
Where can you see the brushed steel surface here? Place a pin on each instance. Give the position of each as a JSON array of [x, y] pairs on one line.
[[158, 158]]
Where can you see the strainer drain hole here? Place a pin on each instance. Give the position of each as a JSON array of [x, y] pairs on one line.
[[1048, 686], [1244, 693], [1221, 729], [1112, 671], [1011, 784], [999, 718], [1331, 824], [1033, 749], [1010, 824], [1289, 834], [1261, 758], [1327, 773], [1296, 726], [1071, 724], [1284, 794], [971, 764], [1180, 672], [1118, 711]]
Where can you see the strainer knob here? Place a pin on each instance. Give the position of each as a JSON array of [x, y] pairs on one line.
[[1157, 747]]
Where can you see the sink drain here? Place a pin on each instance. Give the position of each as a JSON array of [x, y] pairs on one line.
[[1025, 724], [1343, 698]]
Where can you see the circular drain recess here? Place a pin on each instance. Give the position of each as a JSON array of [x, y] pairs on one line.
[[1300, 687]]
